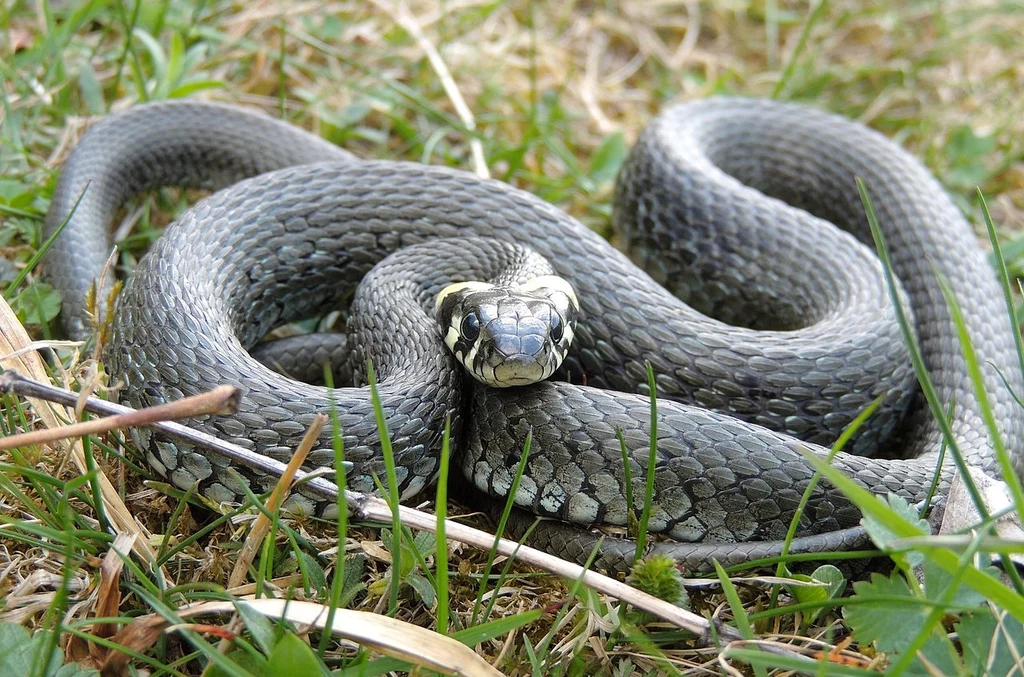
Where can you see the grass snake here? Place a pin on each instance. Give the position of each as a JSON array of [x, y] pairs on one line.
[[750, 292]]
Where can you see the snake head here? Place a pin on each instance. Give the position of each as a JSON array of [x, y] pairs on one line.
[[508, 335]]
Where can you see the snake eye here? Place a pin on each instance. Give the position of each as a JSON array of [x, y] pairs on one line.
[[470, 327], [556, 327]]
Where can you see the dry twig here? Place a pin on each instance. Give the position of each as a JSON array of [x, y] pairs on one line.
[[373, 509], [219, 401], [13, 341]]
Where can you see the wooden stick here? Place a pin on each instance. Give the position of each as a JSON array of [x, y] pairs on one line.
[[221, 400], [364, 507], [13, 383]]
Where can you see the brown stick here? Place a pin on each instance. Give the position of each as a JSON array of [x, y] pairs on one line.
[[220, 400], [371, 508], [262, 524], [14, 383]]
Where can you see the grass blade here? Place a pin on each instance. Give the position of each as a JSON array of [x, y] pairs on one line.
[[652, 457], [910, 340], [391, 495], [441, 547]]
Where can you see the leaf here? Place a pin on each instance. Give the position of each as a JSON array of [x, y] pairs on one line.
[[252, 664], [18, 655], [379, 587], [426, 543], [259, 627], [352, 583], [92, 91], [887, 622], [938, 656], [608, 159], [833, 583], [982, 581], [317, 577], [292, 656], [967, 151], [13, 192], [485, 632], [194, 86], [174, 65], [346, 116], [936, 579], [883, 534], [37, 304], [156, 54], [423, 589], [195, 56], [890, 617], [331, 28], [991, 645]]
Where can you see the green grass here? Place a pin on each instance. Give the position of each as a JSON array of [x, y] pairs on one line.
[[557, 91]]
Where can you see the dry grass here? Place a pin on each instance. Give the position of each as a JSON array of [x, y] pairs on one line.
[[546, 86]]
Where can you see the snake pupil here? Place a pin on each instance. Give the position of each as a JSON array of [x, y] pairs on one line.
[[556, 327], [470, 327]]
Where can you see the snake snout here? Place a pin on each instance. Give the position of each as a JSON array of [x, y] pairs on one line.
[[518, 352]]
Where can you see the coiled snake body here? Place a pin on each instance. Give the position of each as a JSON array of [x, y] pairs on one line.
[[728, 203]]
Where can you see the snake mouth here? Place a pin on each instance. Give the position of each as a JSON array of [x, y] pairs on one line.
[[516, 370]]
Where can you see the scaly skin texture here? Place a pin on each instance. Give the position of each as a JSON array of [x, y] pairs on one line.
[[702, 202]]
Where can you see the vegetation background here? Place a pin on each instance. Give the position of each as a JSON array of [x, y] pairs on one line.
[[545, 95]]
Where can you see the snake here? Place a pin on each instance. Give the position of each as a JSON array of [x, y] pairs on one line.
[[744, 279]]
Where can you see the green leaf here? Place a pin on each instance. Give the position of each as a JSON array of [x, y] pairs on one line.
[[352, 583], [346, 116], [426, 543], [259, 626], [990, 645], [742, 622], [194, 57], [608, 159], [22, 654], [967, 152], [373, 668], [194, 86], [291, 656], [979, 580], [403, 559], [331, 28], [936, 579], [317, 577], [92, 91], [156, 54], [37, 304], [251, 663], [423, 589], [485, 632], [14, 193], [883, 532], [174, 64], [832, 584], [938, 656], [888, 616]]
